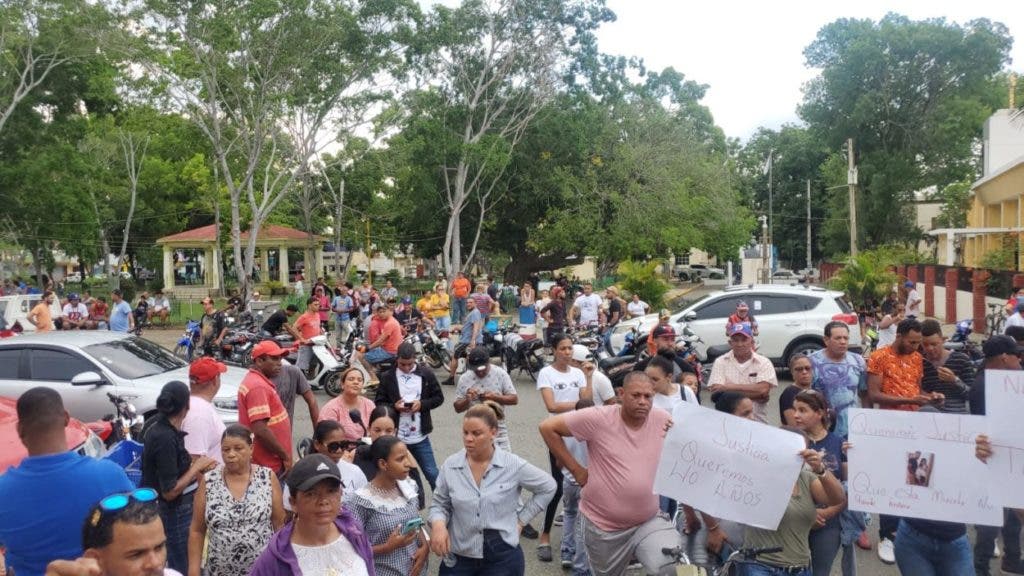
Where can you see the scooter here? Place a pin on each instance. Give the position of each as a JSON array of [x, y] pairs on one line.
[[327, 365], [186, 346]]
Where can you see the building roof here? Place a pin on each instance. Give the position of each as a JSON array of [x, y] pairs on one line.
[[270, 232], [998, 172]]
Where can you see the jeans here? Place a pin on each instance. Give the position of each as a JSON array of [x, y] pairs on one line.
[[984, 545], [577, 554], [423, 452], [1011, 535], [825, 543], [499, 559], [668, 506], [921, 555], [458, 310], [758, 569], [442, 323], [177, 518], [377, 355], [887, 526], [343, 329], [549, 514]]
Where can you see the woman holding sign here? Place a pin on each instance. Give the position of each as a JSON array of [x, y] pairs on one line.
[[811, 414], [816, 486]]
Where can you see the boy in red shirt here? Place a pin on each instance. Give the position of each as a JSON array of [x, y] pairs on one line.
[[308, 326]]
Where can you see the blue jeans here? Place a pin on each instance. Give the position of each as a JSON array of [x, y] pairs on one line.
[[921, 555], [378, 355], [758, 569], [458, 310], [825, 543], [177, 518], [443, 323], [570, 550], [423, 452], [499, 559]]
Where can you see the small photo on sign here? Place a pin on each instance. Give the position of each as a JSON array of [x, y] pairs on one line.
[[919, 468]]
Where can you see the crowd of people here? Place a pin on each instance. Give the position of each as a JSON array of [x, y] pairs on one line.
[[242, 499]]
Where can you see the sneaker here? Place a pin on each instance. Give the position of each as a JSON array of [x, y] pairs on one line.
[[1012, 566], [864, 541], [566, 564], [529, 532], [560, 519], [886, 552], [544, 553], [996, 552]]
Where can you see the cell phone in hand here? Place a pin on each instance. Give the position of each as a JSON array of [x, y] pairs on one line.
[[412, 526]]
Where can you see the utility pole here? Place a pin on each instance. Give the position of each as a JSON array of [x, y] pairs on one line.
[[851, 181], [809, 225], [369, 252], [764, 249], [771, 230]]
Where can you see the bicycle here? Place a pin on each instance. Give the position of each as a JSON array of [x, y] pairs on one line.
[[995, 319], [680, 564], [744, 556]]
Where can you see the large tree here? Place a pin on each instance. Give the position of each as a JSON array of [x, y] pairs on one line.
[[913, 95]]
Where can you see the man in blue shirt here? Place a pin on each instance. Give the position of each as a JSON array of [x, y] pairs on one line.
[[45, 499], [342, 306], [121, 319], [839, 374], [471, 334]]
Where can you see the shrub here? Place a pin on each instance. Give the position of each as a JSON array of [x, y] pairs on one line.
[[642, 278]]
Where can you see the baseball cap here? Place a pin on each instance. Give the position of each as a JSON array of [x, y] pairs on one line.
[[663, 330], [664, 313], [580, 353], [1000, 344], [311, 470], [741, 328], [908, 284], [267, 348], [477, 359], [205, 369], [73, 296]]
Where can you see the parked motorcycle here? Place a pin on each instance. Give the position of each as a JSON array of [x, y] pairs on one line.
[[961, 341], [521, 354], [124, 424], [328, 363], [186, 346], [434, 348]]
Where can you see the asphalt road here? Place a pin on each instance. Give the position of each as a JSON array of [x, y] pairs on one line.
[[523, 420]]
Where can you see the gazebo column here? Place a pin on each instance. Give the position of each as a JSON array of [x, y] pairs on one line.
[[168, 268], [318, 258], [215, 269], [282, 252], [264, 266]]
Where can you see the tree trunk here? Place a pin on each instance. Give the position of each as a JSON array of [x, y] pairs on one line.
[[520, 268]]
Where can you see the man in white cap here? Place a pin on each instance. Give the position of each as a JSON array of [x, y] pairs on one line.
[[603, 391], [745, 371]]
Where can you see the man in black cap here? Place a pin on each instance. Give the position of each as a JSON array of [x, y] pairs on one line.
[[1001, 353], [483, 381]]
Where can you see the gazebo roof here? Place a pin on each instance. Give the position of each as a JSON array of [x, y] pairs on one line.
[[269, 233]]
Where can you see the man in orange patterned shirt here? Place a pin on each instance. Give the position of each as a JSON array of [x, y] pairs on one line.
[[894, 383]]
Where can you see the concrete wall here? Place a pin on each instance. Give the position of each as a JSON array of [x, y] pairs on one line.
[[1003, 140]]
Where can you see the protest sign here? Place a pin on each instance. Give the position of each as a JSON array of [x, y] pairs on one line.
[[920, 465], [729, 467], [1004, 406]]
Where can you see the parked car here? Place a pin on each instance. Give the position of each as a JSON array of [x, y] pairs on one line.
[[16, 308], [79, 437], [791, 319], [74, 277], [84, 365], [697, 272]]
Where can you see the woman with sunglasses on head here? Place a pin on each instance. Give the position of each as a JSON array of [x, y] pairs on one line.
[[323, 537], [802, 371], [384, 422], [474, 523], [168, 468], [236, 509], [330, 440], [351, 398], [811, 414], [385, 507]]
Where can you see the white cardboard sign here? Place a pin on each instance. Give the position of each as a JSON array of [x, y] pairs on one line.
[[1004, 407], [920, 465], [729, 467]]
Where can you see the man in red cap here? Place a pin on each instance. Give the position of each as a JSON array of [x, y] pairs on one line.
[[260, 409], [203, 426]]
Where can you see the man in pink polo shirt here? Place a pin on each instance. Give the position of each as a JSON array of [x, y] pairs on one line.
[[618, 506], [203, 426]]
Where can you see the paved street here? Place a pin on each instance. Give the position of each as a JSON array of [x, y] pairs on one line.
[[523, 420]]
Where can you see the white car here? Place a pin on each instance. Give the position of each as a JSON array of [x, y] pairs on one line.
[[16, 308], [83, 365], [791, 319]]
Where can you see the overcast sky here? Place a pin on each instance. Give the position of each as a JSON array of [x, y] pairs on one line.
[[751, 53]]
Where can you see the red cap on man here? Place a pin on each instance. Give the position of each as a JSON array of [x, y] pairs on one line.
[[267, 348], [205, 369]]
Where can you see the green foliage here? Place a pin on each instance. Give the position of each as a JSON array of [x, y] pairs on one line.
[[1004, 257], [864, 278], [956, 203], [642, 278]]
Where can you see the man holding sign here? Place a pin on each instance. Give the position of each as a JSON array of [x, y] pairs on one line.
[[618, 508]]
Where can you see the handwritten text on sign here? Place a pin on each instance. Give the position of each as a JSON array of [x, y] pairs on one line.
[[729, 467], [920, 465], [1004, 406]]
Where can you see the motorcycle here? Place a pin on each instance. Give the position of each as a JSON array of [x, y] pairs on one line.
[[236, 347], [521, 354], [328, 363], [124, 424], [186, 346], [961, 341], [615, 367], [435, 348]]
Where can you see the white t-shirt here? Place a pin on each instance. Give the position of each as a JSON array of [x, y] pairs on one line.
[[1014, 319], [565, 386], [669, 402], [204, 428], [603, 391], [410, 387], [75, 313], [637, 308], [590, 308], [338, 557], [913, 303]]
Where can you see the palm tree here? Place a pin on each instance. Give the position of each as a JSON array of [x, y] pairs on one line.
[[864, 278]]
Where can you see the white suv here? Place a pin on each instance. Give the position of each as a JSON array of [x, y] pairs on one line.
[[790, 319]]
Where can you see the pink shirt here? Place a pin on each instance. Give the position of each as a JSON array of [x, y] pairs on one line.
[[336, 410], [620, 482], [204, 429]]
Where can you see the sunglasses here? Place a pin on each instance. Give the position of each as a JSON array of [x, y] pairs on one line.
[[116, 502], [344, 446]]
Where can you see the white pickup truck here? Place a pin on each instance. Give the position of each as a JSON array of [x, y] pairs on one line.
[[16, 308]]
